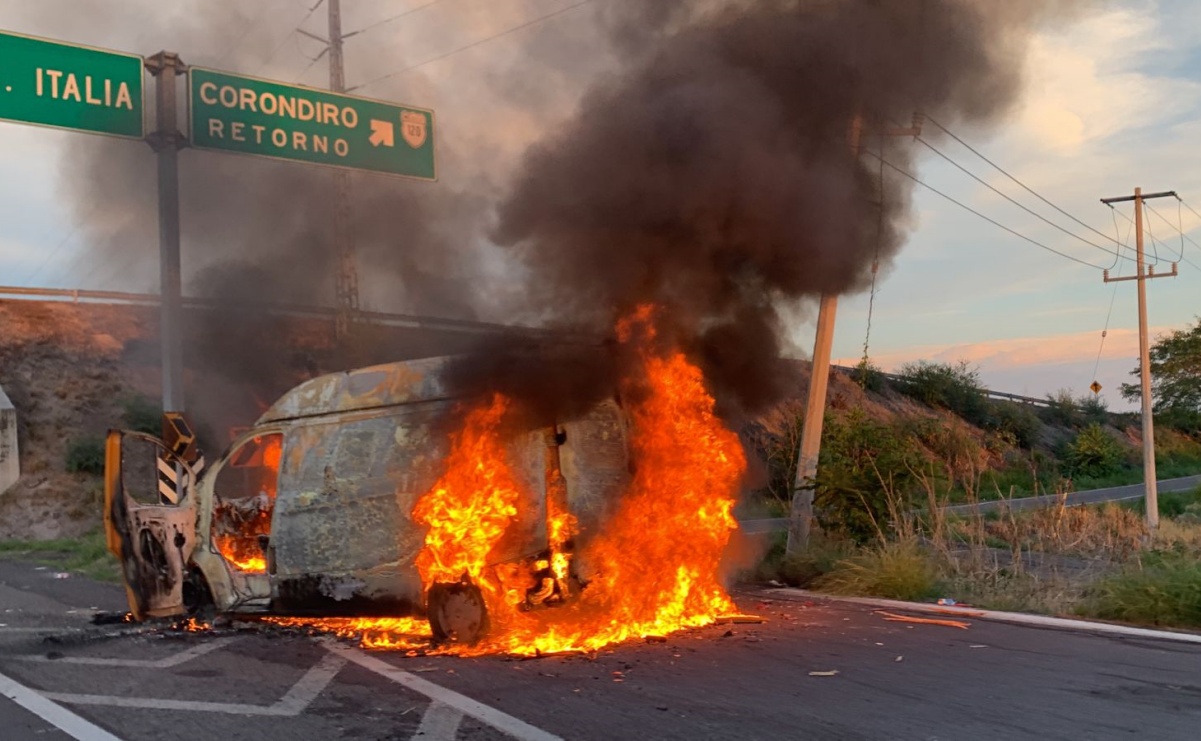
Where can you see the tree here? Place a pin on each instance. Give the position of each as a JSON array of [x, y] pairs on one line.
[[1175, 378]]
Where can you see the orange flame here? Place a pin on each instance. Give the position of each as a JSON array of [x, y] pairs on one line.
[[470, 507], [236, 528], [231, 547], [384, 633], [653, 569], [656, 563]]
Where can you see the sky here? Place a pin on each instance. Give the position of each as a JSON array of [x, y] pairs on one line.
[[1111, 101]]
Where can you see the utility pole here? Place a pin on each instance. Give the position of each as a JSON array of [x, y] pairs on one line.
[[347, 286], [166, 142], [801, 515], [1150, 486]]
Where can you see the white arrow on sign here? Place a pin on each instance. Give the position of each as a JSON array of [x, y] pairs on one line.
[[382, 132]]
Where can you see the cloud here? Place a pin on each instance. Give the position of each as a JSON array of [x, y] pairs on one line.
[[1086, 82], [1021, 351]]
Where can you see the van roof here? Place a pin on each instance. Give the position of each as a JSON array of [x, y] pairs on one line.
[[404, 382]]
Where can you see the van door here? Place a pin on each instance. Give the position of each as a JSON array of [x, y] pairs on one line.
[[149, 520]]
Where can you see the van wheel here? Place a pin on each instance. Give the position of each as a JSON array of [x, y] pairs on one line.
[[197, 599], [457, 613]]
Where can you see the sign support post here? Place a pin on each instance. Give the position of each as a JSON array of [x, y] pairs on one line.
[[166, 142]]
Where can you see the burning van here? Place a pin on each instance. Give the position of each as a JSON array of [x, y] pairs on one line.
[[311, 510]]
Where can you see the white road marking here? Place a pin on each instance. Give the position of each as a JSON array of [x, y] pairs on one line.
[[501, 721], [440, 723], [152, 703], [297, 699], [311, 684], [58, 716], [165, 663], [1017, 618]]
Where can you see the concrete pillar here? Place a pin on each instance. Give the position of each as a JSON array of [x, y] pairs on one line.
[[10, 464]]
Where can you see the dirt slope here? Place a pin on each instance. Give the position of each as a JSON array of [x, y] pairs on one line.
[[63, 368]]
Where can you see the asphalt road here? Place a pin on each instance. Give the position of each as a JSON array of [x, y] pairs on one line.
[[769, 681], [1092, 496]]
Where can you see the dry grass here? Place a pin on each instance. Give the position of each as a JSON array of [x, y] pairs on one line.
[[1108, 532], [897, 570], [1095, 561]]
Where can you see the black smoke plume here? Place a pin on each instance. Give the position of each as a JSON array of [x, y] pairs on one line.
[[734, 169], [704, 167]]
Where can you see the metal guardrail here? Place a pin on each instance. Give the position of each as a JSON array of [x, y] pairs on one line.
[[765, 525], [987, 393], [413, 321]]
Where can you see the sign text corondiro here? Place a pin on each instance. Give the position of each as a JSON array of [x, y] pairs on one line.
[[243, 114]]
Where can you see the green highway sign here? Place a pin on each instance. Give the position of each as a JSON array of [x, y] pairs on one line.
[[71, 87], [292, 122]]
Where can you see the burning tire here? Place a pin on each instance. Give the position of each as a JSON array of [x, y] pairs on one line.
[[457, 613]]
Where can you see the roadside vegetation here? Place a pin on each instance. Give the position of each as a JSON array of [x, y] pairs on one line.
[[889, 467], [86, 556]]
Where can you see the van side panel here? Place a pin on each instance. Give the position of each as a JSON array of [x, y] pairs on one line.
[[343, 540]]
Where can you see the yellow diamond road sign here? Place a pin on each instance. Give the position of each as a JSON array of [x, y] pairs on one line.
[[1096, 387]]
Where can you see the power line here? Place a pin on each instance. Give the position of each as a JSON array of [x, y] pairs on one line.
[[1030, 211], [54, 251], [1114, 294], [312, 61], [472, 45], [1190, 208], [1183, 237], [990, 220], [245, 30], [1154, 246], [389, 19], [284, 40], [1012, 177], [1183, 259], [871, 301]]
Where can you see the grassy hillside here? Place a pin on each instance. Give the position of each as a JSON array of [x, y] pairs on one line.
[[932, 437], [894, 452]]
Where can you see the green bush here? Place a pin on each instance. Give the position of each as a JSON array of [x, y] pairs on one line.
[[1174, 504], [1062, 410], [953, 387], [863, 463], [1065, 410], [1093, 453], [802, 569], [1165, 590], [898, 570], [142, 415], [1015, 420], [86, 455], [869, 377], [1035, 472], [1094, 409]]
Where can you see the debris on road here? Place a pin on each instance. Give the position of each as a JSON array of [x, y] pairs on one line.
[[831, 673], [740, 619], [959, 611], [895, 618]]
